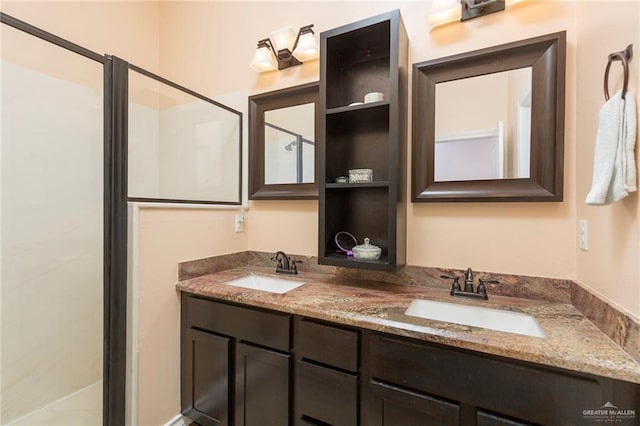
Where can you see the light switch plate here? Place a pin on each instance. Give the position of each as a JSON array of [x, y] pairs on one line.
[[583, 234], [239, 221]]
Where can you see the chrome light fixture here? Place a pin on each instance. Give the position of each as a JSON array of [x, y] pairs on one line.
[[283, 49], [445, 11]]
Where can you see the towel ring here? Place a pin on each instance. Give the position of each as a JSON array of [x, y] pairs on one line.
[[624, 56]]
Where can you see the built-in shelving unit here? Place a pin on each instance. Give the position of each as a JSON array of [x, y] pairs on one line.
[[366, 56]]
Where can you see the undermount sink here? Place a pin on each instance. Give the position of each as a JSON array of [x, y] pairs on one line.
[[475, 316], [264, 283]]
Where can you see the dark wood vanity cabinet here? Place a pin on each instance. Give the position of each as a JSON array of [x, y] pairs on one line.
[[249, 366], [235, 364], [366, 56], [408, 383]]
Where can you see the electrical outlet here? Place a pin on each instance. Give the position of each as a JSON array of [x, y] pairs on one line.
[[239, 222], [583, 234]]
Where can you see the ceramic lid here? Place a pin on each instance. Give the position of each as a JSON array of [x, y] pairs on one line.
[[367, 248]]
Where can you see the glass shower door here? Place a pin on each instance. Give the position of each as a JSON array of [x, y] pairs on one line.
[[52, 233]]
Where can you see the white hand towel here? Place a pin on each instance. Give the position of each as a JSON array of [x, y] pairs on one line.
[[614, 162], [629, 133]]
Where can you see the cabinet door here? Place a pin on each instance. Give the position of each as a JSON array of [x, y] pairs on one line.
[[205, 377], [390, 406], [262, 387]]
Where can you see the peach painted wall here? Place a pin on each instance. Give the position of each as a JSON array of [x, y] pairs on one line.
[[530, 238], [128, 29], [611, 266], [522, 238], [166, 237], [436, 230]]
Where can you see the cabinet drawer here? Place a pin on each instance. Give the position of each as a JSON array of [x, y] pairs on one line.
[[333, 346], [391, 406], [510, 388], [325, 395], [264, 328]]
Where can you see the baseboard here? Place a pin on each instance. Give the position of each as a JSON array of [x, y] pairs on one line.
[[179, 420]]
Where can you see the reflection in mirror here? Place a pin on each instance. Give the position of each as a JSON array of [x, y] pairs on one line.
[[487, 135], [504, 103], [289, 145], [182, 147], [282, 143]]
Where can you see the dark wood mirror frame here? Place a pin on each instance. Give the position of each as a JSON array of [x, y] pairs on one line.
[[258, 105], [547, 57]]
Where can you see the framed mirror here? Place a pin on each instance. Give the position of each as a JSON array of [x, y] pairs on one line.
[[282, 144], [488, 125]]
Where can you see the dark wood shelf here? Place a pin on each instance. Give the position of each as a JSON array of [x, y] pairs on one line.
[[337, 259], [375, 184], [346, 109], [370, 55]]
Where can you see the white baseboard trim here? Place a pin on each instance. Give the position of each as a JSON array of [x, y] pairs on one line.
[[179, 420]]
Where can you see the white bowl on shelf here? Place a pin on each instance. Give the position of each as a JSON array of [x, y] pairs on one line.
[[366, 251]]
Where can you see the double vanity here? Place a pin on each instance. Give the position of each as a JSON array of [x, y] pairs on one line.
[[260, 348], [339, 345]]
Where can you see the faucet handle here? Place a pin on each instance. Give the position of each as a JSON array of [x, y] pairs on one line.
[[455, 286], [482, 290], [294, 268]]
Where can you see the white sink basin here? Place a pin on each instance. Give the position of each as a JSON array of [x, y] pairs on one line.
[[264, 283], [493, 319]]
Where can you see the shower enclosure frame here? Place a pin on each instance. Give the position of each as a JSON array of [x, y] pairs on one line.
[[122, 77], [115, 220]]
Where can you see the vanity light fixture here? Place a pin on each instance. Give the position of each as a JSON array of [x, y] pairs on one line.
[[477, 8], [445, 11], [283, 49]]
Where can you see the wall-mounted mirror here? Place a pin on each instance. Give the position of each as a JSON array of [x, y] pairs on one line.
[[489, 125], [282, 144]]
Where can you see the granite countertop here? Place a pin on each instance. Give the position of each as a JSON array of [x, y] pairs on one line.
[[572, 341]]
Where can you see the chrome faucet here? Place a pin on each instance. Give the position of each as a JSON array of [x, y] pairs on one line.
[[285, 265], [481, 291]]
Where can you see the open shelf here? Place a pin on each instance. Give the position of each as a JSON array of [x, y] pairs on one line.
[[366, 56], [346, 109], [358, 62], [375, 184], [358, 139], [337, 259]]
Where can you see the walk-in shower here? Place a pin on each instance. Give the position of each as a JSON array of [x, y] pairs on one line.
[[73, 125], [52, 227]]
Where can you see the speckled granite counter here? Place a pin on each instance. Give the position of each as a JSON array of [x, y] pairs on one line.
[[572, 341]]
